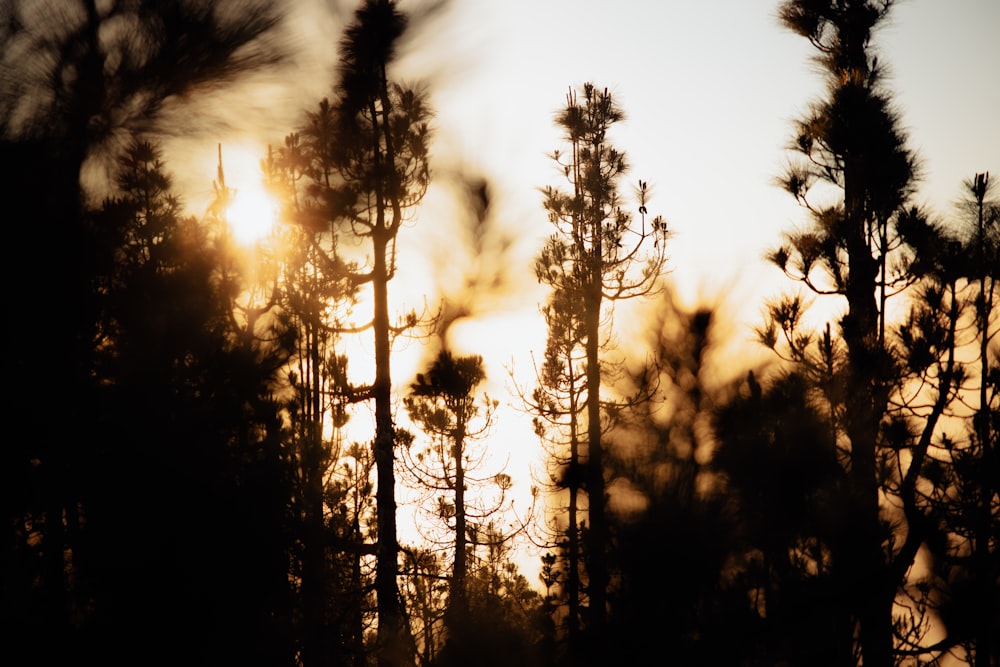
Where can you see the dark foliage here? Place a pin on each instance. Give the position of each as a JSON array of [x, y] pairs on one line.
[[130, 474], [779, 464]]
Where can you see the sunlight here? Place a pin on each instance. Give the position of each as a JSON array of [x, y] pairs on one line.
[[252, 215]]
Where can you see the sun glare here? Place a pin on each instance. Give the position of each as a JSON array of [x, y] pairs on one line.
[[252, 215]]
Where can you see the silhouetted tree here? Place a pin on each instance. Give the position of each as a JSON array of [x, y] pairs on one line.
[[354, 518], [425, 591], [189, 470], [443, 403], [596, 257], [959, 482], [382, 157], [557, 404], [317, 297], [366, 158], [984, 242], [501, 623], [864, 247], [675, 531], [777, 457], [79, 77]]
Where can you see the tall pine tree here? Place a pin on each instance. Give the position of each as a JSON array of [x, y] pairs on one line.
[[597, 255]]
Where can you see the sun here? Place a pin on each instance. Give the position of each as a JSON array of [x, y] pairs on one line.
[[252, 215]]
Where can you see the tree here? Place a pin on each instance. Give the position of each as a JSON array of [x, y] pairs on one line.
[[191, 433], [777, 460], [595, 257], [443, 403], [960, 478], [426, 591], [984, 241], [317, 295], [501, 624], [487, 599], [83, 77], [366, 156], [679, 593], [863, 247], [557, 403]]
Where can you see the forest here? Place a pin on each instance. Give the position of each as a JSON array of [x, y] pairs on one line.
[[186, 486]]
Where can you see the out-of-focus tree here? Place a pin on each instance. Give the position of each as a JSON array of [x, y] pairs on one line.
[[190, 433], [79, 79], [778, 464], [674, 594]]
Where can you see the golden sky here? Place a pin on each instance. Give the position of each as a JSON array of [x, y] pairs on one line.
[[709, 89]]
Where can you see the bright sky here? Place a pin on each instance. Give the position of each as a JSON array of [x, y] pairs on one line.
[[709, 89]]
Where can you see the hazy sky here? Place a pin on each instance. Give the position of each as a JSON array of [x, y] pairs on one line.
[[710, 90]]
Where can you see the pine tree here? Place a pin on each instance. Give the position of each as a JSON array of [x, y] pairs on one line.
[[557, 404], [443, 403], [366, 157], [78, 87], [675, 591], [316, 295], [865, 247], [595, 257], [984, 244], [960, 478], [190, 432]]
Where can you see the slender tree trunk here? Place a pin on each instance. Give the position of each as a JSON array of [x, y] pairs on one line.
[[573, 528], [392, 649], [313, 560], [314, 588], [987, 645], [597, 567], [459, 601]]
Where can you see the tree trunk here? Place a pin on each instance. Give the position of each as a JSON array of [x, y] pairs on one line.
[[597, 567], [987, 644], [314, 588], [866, 401], [392, 650], [573, 528], [458, 603]]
